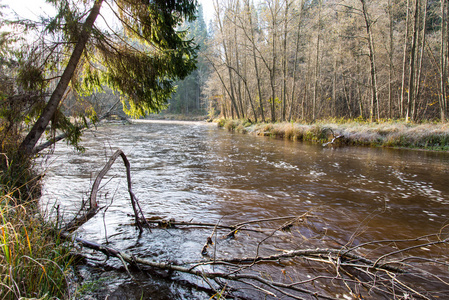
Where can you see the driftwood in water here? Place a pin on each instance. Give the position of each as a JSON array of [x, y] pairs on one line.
[[354, 269], [335, 137], [93, 204], [346, 268]]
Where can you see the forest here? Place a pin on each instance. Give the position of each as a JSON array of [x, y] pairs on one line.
[[288, 60], [253, 61]]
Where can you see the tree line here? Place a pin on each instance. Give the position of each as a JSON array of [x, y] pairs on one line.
[[266, 60], [282, 60], [189, 96]]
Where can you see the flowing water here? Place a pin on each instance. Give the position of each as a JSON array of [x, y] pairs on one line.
[[197, 172]]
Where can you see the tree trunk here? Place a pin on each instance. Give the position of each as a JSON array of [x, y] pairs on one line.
[[404, 61], [443, 60], [390, 57], [307, 87], [295, 65], [228, 63], [411, 81], [256, 66], [333, 111], [272, 70], [285, 59], [317, 65], [244, 77], [374, 112], [237, 64], [30, 141], [423, 42]]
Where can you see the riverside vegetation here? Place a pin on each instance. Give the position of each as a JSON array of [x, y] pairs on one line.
[[388, 133], [34, 261]]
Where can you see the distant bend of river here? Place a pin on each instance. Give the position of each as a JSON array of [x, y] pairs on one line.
[[195, 171]]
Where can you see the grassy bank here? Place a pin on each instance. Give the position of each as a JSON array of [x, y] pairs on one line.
[[178, 117], [34, 263], [430, 136]]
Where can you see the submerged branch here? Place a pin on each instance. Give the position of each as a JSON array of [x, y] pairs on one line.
[[134, 260]]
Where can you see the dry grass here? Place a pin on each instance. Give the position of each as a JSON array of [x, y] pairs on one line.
[[386, 134], [33, 261]]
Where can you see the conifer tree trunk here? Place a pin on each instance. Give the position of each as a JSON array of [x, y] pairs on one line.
[[30, 141]]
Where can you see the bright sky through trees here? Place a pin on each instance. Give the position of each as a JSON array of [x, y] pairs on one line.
[[32, 9], [27, 9]]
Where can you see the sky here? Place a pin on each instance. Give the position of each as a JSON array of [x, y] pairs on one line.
[[31, 9], [208, 9]]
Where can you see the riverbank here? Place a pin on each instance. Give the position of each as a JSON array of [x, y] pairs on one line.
[[34, 261], [177, 117], [395, 134]]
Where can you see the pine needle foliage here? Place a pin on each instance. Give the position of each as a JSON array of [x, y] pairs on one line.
[[144, 60]]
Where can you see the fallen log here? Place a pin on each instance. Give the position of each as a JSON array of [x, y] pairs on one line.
[[193, 270]]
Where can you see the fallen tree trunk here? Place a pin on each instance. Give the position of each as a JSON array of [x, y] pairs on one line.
[[239, 272], [133, 260]]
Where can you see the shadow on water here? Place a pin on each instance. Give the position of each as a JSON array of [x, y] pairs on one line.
[[194, 171]]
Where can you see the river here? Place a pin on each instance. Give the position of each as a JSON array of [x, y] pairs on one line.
[[193, 171]]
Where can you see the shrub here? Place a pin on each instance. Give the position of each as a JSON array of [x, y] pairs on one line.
[[230, 125], [221, 123]]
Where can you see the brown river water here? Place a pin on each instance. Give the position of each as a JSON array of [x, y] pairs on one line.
[[196, 172]]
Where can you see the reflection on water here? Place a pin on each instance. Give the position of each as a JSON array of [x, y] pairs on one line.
[[194, 171]]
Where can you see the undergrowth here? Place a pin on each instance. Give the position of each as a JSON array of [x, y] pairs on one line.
[[34, 262]]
